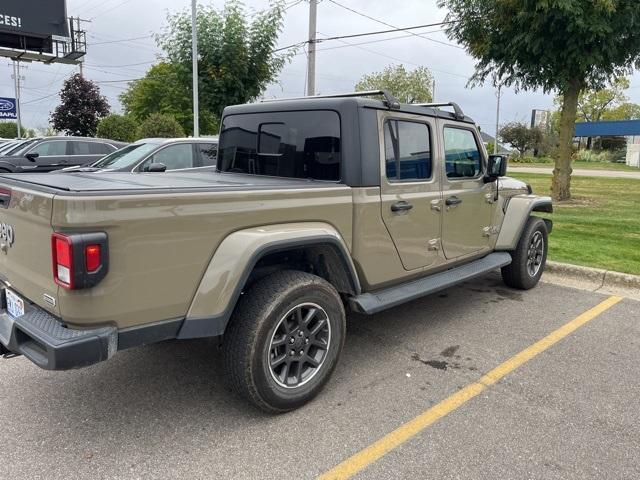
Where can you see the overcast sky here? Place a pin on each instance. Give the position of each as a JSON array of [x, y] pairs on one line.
[[120, 48]]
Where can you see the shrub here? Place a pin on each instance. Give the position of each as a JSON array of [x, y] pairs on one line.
[[529, 159], [159, 125], [117, 127], [592, 156]]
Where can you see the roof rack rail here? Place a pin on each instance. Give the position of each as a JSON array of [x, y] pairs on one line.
[[389, 99], [456, 108]]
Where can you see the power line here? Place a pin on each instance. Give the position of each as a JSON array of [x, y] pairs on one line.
[[392, 26], [124, 40], [110, 9]]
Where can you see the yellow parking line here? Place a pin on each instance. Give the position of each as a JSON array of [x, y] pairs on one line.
[[377, 450]]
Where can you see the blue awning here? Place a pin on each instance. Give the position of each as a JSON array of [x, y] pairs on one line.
[[618, 128]]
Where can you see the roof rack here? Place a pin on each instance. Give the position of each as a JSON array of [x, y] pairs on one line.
[[389, 99], [456, 108]]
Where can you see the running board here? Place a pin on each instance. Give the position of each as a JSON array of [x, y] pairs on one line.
[[375, 302]]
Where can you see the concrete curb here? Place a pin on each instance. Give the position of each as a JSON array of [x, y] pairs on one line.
[[595, 278]]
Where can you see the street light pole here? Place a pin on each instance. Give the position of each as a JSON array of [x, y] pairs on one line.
[[495, 143], [194, 60], [311, 60], [16, 77]]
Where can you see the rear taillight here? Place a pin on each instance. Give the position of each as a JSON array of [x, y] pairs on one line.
[[79, 260]]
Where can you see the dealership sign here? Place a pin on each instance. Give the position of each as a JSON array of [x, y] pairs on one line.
[[8, 108]]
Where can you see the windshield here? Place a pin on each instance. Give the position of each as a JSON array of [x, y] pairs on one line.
[[7, 146], [21, 147], [128, 156]]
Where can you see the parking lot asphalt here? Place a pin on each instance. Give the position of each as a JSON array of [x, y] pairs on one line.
[[165, 411]]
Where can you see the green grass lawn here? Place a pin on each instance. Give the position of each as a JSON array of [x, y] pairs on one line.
[[583, 165], [599, 227]]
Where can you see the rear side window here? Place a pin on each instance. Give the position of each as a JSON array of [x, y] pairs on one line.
[[282, 144], [462, 155], [97, 148], [174, 157], [208, 153], [407, 151]]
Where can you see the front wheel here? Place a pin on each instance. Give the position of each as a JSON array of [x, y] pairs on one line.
[[284, 340], [529, 257]]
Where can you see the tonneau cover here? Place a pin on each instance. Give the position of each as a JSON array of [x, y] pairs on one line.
[[124, 182]]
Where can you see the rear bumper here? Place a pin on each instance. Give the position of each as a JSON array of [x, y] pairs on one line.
[[48, 343]]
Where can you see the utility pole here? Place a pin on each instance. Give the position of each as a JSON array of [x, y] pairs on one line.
[[311, 59], [17, 78], [194, 60], [433, 91], [495, 143]]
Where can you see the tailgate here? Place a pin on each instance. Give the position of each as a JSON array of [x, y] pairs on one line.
[[25, 243]]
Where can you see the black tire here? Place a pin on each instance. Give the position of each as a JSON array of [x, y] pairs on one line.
[[265, 310], [525, 270]]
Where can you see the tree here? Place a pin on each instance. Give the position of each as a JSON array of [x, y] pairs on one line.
[[237, 57], [159, 125], [81, 107], [563, 45], [162, 90], [117, 127], [8, 130], [407, 86], [592, 104], [520, 136], [624, 111]]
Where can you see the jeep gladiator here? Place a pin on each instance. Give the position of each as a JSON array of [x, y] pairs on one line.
[[318, 205]]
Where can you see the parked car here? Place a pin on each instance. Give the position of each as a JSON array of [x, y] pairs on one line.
[[53, 153], [157, 155], [14, 145], [317, 205]]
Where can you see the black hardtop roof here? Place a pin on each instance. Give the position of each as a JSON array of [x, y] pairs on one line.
[[339, 103]]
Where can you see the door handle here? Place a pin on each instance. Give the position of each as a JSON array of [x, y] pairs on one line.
[[453, 201], [401, 206]]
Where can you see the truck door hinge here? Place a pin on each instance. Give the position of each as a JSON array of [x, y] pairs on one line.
[[488, 231], [434, 245], [490, 198]]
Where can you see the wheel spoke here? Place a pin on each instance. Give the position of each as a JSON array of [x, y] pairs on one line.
[[297, 372], [275, 362], [309, 316], [279, 342], [319, 326], [311, 361]]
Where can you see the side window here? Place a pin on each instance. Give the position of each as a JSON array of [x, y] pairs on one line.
[[407, 151], [208, 153], [282, 144], [462, 155], [54, 147], [80, 148], [174, 156]]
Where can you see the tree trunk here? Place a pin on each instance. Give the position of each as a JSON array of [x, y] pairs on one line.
[[561, 184]]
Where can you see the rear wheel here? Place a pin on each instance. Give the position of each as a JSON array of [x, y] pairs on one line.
[[284, 340], [529, 257]]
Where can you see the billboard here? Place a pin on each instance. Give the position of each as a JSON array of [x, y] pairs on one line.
[[8, 109], [34, 18]]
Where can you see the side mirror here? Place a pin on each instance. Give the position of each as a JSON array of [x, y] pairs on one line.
[[155, 167], [32, 156], [496, 167]]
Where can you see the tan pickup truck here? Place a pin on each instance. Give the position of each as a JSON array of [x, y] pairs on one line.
[[319, 205]]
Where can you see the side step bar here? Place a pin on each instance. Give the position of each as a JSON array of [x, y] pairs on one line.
[[375, 302]]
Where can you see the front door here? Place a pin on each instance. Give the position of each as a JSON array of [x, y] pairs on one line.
[[467, 200], [410, 188]]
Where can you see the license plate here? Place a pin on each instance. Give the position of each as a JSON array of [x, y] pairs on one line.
[[15, 305]]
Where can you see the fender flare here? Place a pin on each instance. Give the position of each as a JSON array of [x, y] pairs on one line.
[[518, 211], [8, 166], [234, 260]]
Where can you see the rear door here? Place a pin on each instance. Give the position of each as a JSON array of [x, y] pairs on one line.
[[410, 188], [175, 157], [468, 200], [84, 153], [208, 153]]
